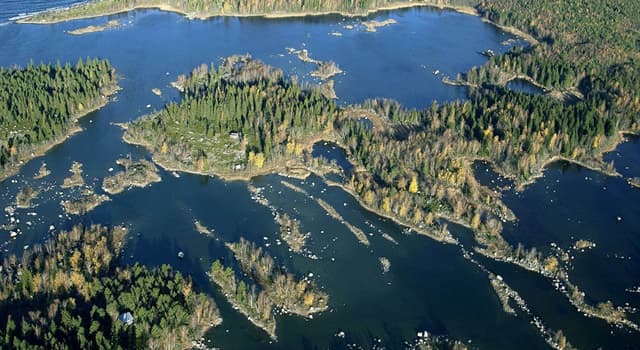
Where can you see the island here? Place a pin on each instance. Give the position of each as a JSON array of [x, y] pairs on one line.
[[76, 179], [72, 292], [42, 172], [86, 202], [94, 29], [372, 26], [59, 95], [25, 196], [634, 181], [290, 232], [326, 70], [278, 288], [135, 174]]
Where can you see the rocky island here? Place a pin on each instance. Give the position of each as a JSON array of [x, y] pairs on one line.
[[86, 202], [135, 174], [25, 196]]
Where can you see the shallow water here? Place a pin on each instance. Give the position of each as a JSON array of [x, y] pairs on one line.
[[430, 285]]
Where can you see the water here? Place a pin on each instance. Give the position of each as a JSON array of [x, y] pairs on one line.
[[430, 285], [520, 85], [13, 9], [333, 153]]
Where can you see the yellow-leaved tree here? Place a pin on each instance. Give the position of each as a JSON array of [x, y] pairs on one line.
[[413, 186], [259, 160]]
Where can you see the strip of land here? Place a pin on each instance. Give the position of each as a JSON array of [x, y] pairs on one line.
[[95, 29]]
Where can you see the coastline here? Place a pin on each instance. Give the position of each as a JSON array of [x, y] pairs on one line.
[[271, 330], [73, 129], [468, 10], [270, 15]]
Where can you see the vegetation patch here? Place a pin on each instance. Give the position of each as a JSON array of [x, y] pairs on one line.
[[71, 293], [87, 201], [273, 288], [76, 179], [40, 104], [135, 174], [25, 196]]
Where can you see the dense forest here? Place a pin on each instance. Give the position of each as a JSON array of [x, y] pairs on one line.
[[242, 116], [70, 293], [39, 104], [209, 8]]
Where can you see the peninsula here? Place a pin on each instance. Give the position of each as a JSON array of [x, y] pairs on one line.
[[58, 96]]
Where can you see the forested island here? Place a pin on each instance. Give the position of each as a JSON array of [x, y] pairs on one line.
[[203, 9], [40, 104], [274, 287], [71, 293]]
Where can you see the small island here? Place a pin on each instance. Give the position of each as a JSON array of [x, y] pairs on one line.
[[87, 201], [326, 70], [372, 26], [42, 172], [76, 179], [385, 264], [94, 29], [290, 232], [135, 174], [583, 244], [25, 196], [634, 181]]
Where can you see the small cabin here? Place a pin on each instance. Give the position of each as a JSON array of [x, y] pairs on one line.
[[234, 135], [126, 318]]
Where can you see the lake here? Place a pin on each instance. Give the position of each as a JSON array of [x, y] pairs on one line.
[[430, 285]]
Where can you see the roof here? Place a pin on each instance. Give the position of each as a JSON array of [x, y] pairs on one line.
[[126, 318]]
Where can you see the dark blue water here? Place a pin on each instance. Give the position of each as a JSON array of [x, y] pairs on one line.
[[524, 86], [334, 154], [430, 285], [13, 9]]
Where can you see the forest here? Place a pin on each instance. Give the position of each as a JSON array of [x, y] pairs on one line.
[[243, 116], [210, 8], [40, 104], [71, 293]]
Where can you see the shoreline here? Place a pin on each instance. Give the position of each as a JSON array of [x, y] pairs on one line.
[[421, 231], [269, 15], [467, 10], [232, 300], [41, 150]]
